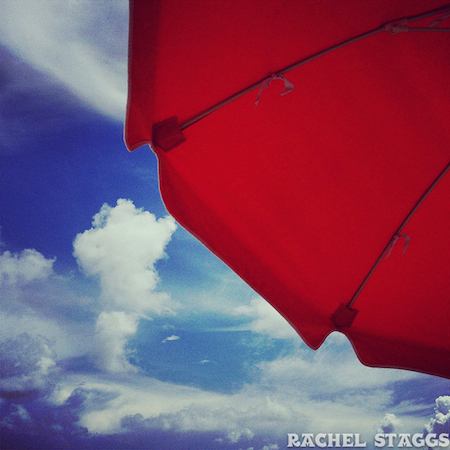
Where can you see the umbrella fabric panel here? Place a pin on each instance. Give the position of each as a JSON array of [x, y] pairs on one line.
[[404, 309], [186, 56]]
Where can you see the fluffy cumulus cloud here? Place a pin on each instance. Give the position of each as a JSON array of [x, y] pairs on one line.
[[122, 248], [37, 301], [81, 43], [40, 425], [24, 268], [440, 423], [28, 366], [389, 424], [25, 279], [237, 417], [113, 330]]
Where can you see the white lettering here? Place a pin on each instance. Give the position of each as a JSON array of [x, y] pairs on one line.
[[390, 437], [308, 440], [379, 441], [401, 440], [358, 443], [347, 440], [293, 440], [319, 440], [444, 441], [431, 440], [404, 440], [333, 440], [418, 440]]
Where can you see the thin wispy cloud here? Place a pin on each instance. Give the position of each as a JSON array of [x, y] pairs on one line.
[[83, 44], [265, 320], [272, 402]]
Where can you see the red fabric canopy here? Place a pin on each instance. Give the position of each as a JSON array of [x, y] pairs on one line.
[[311, 197]]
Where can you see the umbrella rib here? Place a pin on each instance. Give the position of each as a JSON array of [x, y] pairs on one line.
[[394, 27], [250, 88], [427, 29], [397, 233]]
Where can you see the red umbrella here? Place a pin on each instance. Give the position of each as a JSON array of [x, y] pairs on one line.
[[331, 201]]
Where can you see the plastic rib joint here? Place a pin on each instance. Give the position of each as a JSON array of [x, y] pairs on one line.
[[167, 134]]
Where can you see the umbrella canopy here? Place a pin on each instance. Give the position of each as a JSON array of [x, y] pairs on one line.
[[332, 200]]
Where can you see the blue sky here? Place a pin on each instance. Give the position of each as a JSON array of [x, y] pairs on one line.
[[118, 329]]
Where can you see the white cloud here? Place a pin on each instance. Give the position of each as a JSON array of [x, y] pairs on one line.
[[122, 248], [389, 424], [28, 266], [306, 392], [17, 412], [171, 338], [32, 296], [236, 435], [28, 364], [266, 320], [82, 43], [130, 395], [71, 339], [440, 423], [113, 330], [333, 369]]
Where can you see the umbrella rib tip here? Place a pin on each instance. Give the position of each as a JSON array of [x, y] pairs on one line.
[[344, 316]]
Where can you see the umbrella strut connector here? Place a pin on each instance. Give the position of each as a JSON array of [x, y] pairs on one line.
[[397, 26], [344, 316], [167, 134]]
